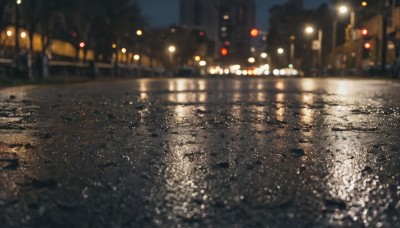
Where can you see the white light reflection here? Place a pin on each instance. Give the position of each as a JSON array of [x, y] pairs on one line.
[[183, 182], [281, 110], [187, 91], [306, 113], [280, 86]]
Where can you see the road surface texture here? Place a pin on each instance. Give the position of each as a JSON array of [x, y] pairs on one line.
[[201, 152]]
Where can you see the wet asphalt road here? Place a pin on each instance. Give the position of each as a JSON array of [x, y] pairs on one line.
[[187, 152]]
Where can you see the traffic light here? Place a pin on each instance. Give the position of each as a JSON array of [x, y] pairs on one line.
[[224, 51], [364, 32], [366, 44], [254, 32], [200, 36], [366, 50]]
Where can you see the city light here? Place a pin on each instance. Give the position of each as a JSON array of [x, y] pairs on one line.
[[364, 3], [254, 32], [123, 50], [171, 49], [309, 30], [23, 35], [139, 32], [19, 2], [197, 58], [364, 32], [224, 51], [264, 55], [280, 51], [343, 9], [9, 33], [252, 60], [82, 44], [367, 45], [202, 63], [114, 46], [136, 57], [226, 17]]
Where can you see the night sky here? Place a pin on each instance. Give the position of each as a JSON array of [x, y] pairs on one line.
[[166, 12]]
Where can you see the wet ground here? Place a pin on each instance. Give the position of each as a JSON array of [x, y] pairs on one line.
[[186, 152]]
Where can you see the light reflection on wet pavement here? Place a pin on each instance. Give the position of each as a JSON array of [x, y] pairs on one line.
[[187, 152]]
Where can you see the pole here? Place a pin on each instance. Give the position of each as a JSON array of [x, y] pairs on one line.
[[334, 41], [320, 36], [352, 26], [384, 43], [17, 47], [292, 50]]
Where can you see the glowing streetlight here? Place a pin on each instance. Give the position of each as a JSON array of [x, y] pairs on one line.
[[136, 57], [139, 32], [114, 46], [197, 58], [172, 49], [19, 2], [9, 33], [280, 51], [251, 60], [264, 55], [123, 50], [82, 44], [23, 35], [309, 30], [343, 9], [202, 63]]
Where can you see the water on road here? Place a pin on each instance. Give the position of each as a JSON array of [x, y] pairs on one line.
[[201, 152]]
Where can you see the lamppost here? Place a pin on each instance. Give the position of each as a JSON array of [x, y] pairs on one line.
[[139, 34], [292, 49], [341, 10], [310, 30], [171, 51], [17, 48], [280, 52]]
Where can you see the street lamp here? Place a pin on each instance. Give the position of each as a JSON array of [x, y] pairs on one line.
[[17, 17], [251, 60], [172, 49], [310, 30], [139, 32], [280, 51], [264, 55], [344, 10]]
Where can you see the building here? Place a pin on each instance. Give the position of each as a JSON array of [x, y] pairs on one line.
[[227, 22], [200, 14]]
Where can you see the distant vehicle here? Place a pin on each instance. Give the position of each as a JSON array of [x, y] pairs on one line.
[[288, 72]]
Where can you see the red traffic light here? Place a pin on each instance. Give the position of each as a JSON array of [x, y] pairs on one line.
[[224, 51], [364, 32], [367, 45], [254, 32]]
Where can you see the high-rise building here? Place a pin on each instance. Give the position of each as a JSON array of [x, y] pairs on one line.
[[200, 14], [228, 22]]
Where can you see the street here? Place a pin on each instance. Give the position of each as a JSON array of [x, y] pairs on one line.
[[209, 152]]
